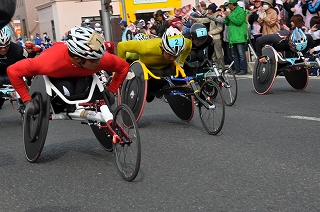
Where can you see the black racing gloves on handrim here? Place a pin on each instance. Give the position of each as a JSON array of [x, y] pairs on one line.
[[32, 107]]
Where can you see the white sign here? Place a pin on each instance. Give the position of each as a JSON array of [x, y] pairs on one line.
[[148, 1]]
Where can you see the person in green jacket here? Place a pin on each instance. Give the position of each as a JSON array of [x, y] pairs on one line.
[[237, 24]]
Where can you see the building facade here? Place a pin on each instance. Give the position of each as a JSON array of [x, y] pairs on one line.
[[56, 17]]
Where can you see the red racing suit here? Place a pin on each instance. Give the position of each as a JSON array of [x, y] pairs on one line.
[[55, 62]]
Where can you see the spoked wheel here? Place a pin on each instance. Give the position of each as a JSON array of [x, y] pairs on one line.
[[212, 118], [126, 143], [229, 87]]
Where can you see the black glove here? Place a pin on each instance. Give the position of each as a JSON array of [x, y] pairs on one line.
[[32, 107], [110, 97]]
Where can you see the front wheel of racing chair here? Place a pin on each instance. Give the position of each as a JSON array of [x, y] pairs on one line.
[[212, 118], [35, 127]]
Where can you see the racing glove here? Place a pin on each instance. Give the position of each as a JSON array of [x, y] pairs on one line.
[[32, 107]]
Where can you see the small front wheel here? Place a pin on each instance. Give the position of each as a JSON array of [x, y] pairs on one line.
[[126, 142], [211, 115], [229, 86]]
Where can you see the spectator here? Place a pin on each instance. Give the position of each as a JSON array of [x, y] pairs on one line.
[[46, 39], [161, 23], [255, 31], [126, 32], [38, 39], [281, 15], [288, 6], [236, 21], [88, 22], [18, 41], [268, 18], [153, 32], [310, 9], [97, 27]]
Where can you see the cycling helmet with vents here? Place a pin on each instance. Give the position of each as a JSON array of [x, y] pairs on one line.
[[142, 36], [5, 35], [86, 43], [173, 41], [298, 40]]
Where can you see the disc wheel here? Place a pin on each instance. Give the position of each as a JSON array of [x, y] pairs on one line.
[[35, 129], [229, 87], [212, 118], [102, 136], [127, 147]]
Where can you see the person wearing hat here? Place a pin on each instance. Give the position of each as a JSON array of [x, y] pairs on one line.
[[88, 22], [281, 15], [268, 18], [98, 28], [236, 21], [214, 31], [126, 32], [161, 23], [255, 30]]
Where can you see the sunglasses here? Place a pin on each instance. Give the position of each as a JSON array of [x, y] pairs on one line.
[[93, 60], [5, 46]]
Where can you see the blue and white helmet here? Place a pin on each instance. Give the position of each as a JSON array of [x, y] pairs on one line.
[[298, 40], [5, 35], [173, 41], [86, 43]]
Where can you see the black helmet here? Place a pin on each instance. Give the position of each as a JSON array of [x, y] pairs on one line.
[[199, 32]]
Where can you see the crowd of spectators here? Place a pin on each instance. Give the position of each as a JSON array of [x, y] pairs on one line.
[[234, 24]]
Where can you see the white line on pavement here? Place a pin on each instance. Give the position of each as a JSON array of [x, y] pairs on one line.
[[304, 118]]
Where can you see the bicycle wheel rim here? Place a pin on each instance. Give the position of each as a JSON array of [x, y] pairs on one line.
[[212, 118], [127, 154]]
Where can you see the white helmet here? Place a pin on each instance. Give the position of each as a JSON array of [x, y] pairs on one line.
[[173, 41], [86, 43], [142, 36], [5, 35]]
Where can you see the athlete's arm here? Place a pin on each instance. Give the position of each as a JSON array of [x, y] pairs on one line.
[[186, 52], [112, 63], [135, 46]]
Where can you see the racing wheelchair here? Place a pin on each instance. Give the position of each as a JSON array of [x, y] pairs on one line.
[[294, 67], [225, 79], [8, 93], [117, 132], [182, 93]]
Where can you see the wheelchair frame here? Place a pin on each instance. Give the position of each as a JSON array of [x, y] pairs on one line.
[[116, 132], [190, 92]]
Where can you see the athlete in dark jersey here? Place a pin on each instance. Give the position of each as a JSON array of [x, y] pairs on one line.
[[83, 54], [9, 54]]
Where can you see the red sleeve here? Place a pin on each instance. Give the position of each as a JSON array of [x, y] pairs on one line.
[[113, 63], [16, 78]]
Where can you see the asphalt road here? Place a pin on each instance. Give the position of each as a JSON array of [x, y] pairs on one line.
[[266, 158]]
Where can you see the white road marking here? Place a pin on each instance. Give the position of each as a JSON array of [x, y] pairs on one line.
[[304, 118]]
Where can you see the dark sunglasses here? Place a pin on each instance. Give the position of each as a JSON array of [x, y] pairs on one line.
[[5, 46]]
